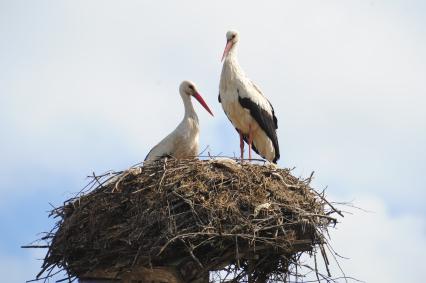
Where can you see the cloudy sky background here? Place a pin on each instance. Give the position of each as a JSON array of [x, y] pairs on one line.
[[92, 85]]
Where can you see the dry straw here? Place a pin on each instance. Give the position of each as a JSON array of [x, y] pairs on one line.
[[248, 222]]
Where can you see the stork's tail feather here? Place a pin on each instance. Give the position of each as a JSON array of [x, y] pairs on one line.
[[277, 156]]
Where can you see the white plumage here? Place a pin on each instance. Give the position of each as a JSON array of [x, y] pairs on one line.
[[183, 141], [246, 107]]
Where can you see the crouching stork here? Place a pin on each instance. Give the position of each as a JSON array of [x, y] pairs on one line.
[[246, 107], [183, 141]]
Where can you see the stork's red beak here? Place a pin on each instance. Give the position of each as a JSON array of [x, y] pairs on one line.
[[202, 102], [227, 48]]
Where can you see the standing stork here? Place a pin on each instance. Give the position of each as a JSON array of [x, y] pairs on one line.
[[246, 107], [183, 141]]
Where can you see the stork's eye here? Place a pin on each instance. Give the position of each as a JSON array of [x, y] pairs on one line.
[[233, 36], [191, 87]]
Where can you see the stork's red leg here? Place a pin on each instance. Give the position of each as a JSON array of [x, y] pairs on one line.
[[250, 141], [241, 145]]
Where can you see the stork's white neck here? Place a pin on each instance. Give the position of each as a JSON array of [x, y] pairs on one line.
[[231, 68], [232, 54], [189, 108]]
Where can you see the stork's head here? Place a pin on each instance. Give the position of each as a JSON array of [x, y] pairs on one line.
[[188, 89], [232, 37]]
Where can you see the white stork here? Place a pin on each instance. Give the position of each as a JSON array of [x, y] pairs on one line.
[[246, 107], [183, 141]]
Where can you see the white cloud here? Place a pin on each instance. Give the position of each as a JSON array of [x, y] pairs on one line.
[[380, 247]]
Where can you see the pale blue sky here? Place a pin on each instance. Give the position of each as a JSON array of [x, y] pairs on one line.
[[92, 86]]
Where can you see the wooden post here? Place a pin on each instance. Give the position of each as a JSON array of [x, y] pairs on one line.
[[160, 274], [138, 275], [98, 281], [153, 275]]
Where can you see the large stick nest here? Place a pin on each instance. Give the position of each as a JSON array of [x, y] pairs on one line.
[[218, 214]]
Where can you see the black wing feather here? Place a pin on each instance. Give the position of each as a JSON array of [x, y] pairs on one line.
[[268, 123], [273, 115]]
